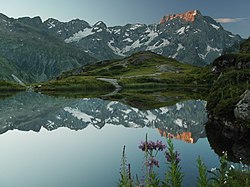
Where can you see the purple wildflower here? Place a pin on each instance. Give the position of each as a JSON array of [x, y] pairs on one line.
[[173, 158], [160, 146], [152, 162], [142, 146], [150, 146]]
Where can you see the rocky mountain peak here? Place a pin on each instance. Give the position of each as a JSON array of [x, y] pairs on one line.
[[31, 21], [2, 16], [100, 24], [187, 16]]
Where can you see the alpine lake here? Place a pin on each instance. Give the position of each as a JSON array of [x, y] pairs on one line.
[[51, 140]]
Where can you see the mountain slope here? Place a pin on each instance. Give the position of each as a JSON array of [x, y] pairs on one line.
[[8, 71], [189, 37], [30, 49]]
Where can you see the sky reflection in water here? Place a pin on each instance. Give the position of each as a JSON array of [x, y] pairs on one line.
[[89, 157]]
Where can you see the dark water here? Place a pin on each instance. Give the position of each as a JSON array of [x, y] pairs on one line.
[[58, 142]]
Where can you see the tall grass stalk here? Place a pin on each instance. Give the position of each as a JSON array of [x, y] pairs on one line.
[[202, 180]]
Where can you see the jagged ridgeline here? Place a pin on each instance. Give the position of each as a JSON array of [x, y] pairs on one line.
[[35, 51], [189, 37]]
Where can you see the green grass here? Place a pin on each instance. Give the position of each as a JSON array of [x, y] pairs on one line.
[[75, 83], [146, 79], [10, 86]]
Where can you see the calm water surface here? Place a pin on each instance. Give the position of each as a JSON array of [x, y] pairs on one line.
[[58, 142]]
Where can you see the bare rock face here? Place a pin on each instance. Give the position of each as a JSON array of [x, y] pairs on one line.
[[188, 16], [242, 109]]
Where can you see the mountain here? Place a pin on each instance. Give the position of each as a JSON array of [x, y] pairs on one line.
[[8, 70], [32, 111], [189, 37], [35, 51], [31, 54]]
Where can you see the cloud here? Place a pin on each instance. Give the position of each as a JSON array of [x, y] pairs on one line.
[[230, 20]]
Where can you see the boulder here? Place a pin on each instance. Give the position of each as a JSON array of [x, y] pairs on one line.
[[242, 109]]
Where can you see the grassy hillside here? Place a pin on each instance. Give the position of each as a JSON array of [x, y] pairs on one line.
[[10, 86], [75, 83], [146, 69], [147, 79]]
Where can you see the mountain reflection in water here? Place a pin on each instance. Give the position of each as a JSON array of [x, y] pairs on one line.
[[31, 111]]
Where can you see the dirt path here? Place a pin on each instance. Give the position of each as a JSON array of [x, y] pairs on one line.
[[114, 82]]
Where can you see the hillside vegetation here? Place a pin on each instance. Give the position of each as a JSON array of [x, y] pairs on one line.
[[10, 86], [145, 69], [146, 78], [233, 76]]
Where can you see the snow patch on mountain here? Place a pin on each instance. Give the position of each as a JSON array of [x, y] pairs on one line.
[[163, 43], [116, 31], [181, 31], [136, 26], [180, 46], [151, 34], [51, 24], [127, 40], [116, 50], [79, 35], [99, 23], [209, 49], [215, 26]]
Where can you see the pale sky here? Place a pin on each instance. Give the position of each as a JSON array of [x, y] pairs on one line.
[[235, 13]]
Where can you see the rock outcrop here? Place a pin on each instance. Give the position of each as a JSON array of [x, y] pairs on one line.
[[242, 109], [188, 16]]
